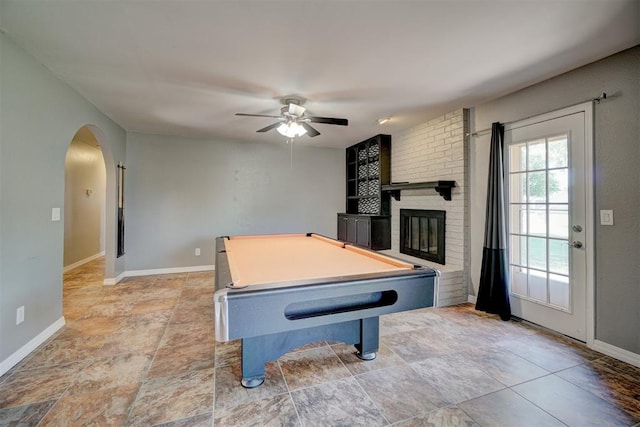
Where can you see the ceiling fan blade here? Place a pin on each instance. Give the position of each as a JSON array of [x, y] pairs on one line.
[[310, 130], [257, 115], [296, 110], [328, 120], [268, 128]]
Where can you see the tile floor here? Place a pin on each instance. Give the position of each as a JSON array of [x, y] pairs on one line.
[[143, 353]]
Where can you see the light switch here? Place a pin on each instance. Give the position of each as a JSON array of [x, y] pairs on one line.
[[606, 217], [55, 214]]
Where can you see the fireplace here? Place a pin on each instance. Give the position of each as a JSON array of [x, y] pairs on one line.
[[422, 234]]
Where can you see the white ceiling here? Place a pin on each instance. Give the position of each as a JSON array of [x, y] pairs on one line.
[[185, 67]]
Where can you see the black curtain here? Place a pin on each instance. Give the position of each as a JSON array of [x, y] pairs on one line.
[[493, 293]]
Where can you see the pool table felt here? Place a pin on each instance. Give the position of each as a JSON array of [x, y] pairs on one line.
[[283, 258]]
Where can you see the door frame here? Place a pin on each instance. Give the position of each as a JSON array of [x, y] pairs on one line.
[[588, 110]]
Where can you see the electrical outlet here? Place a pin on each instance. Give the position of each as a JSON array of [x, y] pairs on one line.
[[197, 251], [20, 315]]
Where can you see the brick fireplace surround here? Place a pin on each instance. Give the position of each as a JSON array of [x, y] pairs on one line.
[[436, 150]]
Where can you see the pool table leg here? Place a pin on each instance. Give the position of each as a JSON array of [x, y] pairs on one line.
[[256, 351], [252, 364], [369, 338]]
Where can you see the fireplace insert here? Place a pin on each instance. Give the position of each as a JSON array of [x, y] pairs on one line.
[[422, 234]]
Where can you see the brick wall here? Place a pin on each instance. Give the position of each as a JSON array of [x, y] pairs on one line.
[[434, 151]]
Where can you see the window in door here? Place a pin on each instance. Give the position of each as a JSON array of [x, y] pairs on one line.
[[539, 220]]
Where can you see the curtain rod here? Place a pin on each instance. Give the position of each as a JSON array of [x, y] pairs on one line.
[[597, 100]]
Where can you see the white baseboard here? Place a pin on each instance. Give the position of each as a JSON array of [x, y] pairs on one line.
[[82, 262], [192, 269], [115, 280], [471, 299], [616, 352], [24, 351], [151, 272]]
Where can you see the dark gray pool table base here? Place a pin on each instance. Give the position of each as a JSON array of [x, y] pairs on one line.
[[256, 351]]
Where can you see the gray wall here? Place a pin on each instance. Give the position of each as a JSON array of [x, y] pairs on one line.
[[182, 193], [39, 117], [617, 181], [83, 213]]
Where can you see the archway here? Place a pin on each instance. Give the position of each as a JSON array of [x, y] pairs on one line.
[[85, 188], [95, 153]]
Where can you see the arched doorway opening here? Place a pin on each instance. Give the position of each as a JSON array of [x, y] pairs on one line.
[[89, 240], [85, 185]]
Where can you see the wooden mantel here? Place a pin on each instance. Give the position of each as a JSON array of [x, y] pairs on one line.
[[442, 187]]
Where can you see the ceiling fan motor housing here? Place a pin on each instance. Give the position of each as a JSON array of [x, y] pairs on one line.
[[292, 114]]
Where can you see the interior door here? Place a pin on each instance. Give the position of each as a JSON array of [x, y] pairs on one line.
[[548, 226]]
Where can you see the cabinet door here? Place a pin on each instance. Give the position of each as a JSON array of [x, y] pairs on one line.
[[363, 234], [342, 228], [351, 229], [380, 233]]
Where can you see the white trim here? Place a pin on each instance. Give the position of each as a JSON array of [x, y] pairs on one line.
[[82, 262], [616, 352], [589, 131], [151, 272], [26, 349], [191, 269], [115, 280], [589, 137], [471, 299]]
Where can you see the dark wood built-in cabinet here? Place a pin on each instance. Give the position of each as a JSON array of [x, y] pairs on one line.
[[367, 221], [368, 231]]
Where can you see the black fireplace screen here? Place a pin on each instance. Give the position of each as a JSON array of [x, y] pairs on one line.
[[422, 234]]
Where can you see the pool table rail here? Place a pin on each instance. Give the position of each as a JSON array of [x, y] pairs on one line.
[[249, 312]]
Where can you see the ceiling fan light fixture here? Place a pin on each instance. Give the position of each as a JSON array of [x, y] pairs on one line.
[[291, 130]]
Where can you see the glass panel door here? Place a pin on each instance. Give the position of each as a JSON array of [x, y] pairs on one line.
[[546, 202], [539, 206]]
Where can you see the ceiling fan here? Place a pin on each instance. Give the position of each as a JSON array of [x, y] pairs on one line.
[[293, 122]]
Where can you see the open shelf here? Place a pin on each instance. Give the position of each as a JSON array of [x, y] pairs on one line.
[[366, 222], [371, 196], [442, 187], [368, 168]]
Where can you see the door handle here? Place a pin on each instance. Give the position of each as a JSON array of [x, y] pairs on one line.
[[577, 244]]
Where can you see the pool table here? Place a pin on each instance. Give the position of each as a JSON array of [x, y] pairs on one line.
[[279, 292]]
